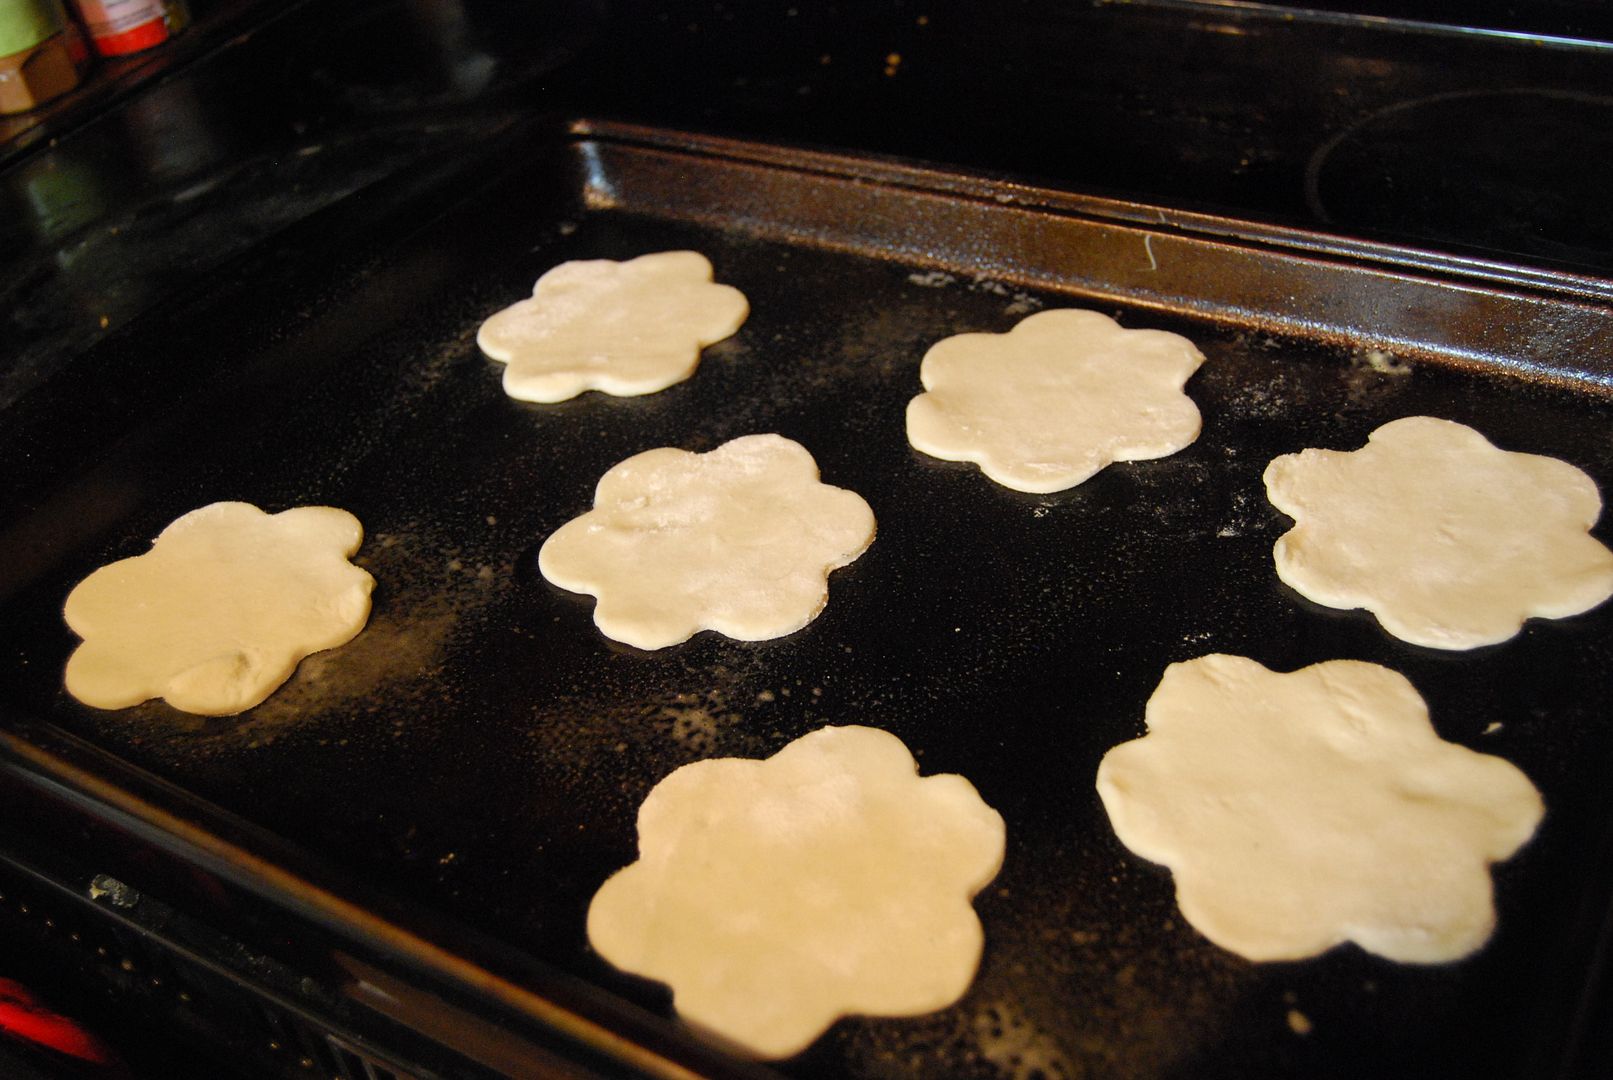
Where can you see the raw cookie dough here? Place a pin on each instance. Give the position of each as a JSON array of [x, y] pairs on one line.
[[1449, 541], [220, 610], [829, 879], [1044, 406], [1297, 811], [739, 540], [626, 328]]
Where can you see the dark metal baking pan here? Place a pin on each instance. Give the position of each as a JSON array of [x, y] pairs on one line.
[[452, 786]]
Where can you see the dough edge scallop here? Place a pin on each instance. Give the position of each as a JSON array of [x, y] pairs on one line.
[[740, 539], [1449, 541], [623, 328], [777, 895], [1300, 810], [219, 612], [1060, 396]]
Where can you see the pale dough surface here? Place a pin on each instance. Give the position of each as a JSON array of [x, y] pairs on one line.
[[739, 540], [1449, 541], [221, 609], [1061, 395], [775, 896], [625, 328], [1298, 811]]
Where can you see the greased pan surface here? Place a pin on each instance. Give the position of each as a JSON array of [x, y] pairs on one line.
[[479, 752]]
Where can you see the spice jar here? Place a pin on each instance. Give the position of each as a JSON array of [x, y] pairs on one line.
[[118, 27]]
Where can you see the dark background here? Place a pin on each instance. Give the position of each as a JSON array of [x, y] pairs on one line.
[[196, 171]]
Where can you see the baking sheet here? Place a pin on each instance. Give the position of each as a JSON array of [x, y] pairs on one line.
[[480, 750]]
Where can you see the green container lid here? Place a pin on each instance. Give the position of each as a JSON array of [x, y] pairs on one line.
[[25, 23]]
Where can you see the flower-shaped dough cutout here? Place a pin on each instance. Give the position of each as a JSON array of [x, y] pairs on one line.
[[1298, 811], [625, 328], [221, 609], [1449, 541], [739, 540], [1061, 395], [828, 880]]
